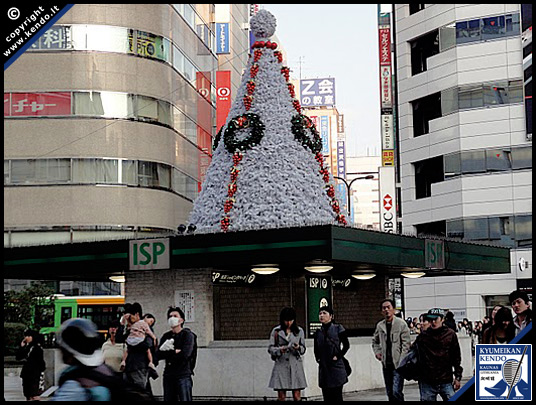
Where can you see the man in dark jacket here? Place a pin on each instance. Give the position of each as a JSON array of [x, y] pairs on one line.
[[440, 357], [176, 349]]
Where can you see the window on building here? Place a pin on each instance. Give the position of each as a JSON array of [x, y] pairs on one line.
[[421, 49], [414, 8], [427, 172], [35, 171], [473, 161], [476, 229], [424, 110], [498, 159], [470, 97], [447, 37], [523, 230], [522, 158], [437, 228], [6, 172], [453, 165], [455, 228]]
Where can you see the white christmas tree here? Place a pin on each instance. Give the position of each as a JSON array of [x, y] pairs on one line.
[[267, 169]]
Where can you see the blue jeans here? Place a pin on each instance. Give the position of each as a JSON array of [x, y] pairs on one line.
[[429, 392], [394, 384], [177, 389]]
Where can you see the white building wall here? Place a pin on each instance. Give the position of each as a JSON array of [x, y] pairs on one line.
[[486, 194]]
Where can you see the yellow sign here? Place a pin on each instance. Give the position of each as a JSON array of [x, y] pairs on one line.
[[388, 158]]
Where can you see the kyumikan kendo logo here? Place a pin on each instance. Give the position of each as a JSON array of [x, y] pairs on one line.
[[503, 372]]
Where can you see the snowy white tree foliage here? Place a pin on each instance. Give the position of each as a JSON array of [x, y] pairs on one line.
[[277, 183]]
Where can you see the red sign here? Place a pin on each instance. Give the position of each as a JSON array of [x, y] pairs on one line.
[[223, 97], [385, 46], [37, 104]]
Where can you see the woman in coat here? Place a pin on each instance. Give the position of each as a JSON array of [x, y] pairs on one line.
[[287, 346], [31, 352], [328, 353]]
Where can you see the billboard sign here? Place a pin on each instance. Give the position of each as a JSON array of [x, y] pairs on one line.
[[317, 92], [37, 104]]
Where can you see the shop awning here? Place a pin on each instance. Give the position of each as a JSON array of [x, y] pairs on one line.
[[346, 249]]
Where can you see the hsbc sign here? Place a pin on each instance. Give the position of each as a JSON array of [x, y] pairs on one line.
[[387, 199]]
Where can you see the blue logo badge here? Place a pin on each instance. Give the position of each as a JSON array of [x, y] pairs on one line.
[[503, 372]]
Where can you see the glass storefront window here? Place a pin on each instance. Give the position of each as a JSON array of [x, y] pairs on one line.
[[467, 31]]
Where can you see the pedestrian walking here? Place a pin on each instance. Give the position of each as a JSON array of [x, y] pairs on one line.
[[502, 331], [332, 372], [440, 358], [137, 335], [31, 352], [86, 377], [113, 351], [521, 307], [390, 343], [450, 321], [79, 343], [287, 346], [178, 349]]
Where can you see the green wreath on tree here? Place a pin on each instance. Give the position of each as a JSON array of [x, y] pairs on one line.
[[301, 125], [240, 122]]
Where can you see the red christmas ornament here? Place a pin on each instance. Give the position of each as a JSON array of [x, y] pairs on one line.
[[257, 55], [261, 44], [274, 45]]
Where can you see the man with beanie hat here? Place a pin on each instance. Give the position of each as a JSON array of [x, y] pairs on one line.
[[440, 358]]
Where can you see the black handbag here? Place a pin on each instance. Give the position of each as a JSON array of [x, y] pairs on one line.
[[347, 366], [409, 367]]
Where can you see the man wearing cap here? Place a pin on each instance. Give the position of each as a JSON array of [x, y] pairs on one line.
[[391, 341], [440, 358]]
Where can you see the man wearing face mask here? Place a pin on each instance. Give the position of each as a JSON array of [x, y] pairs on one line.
[[176, 349]]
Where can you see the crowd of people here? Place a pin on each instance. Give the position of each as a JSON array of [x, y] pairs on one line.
[[498, 327], [123, 365]]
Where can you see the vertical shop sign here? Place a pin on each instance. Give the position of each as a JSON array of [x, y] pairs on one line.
[[222, 38], [223, 97], [387, 199], [319, 294], [324, 133]]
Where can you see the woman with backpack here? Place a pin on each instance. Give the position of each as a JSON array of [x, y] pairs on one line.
[[178, 349], [287, 346]]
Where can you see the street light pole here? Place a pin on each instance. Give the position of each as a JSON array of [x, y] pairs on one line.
[[348, 185]]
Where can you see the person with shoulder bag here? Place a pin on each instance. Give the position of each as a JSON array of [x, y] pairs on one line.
[[287, 346], [332, 370]]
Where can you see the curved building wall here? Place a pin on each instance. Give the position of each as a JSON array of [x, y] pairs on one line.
[[137, 83]]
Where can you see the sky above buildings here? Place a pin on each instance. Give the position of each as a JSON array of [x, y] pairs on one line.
[[340, 41]]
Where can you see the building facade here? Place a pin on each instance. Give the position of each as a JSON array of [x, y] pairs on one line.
[[109, 119], [465, 150]]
